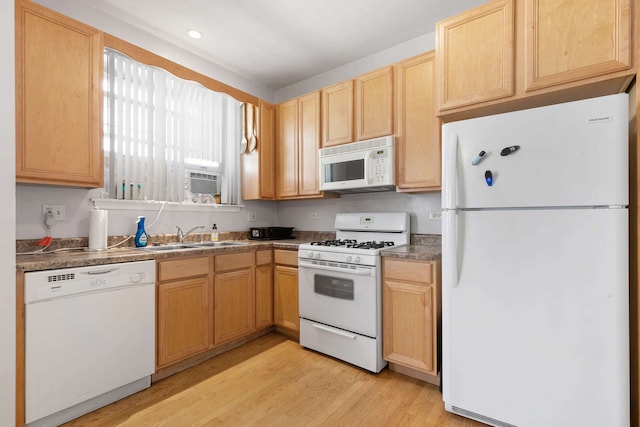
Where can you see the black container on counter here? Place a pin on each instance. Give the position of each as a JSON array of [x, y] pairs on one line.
[[270, 233]]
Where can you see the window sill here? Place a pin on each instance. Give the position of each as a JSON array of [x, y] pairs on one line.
[[169, 206]]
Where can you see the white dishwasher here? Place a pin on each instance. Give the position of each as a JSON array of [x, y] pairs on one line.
[[89, 338]]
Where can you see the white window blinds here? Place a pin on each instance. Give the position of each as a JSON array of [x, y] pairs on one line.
[[156, 125]]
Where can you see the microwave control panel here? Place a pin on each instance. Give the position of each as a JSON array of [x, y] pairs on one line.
[[380, 172]]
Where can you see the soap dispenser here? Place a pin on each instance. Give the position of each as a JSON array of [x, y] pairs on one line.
[[214, 233], [141, 234]]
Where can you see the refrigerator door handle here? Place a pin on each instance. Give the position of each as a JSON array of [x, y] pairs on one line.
[[450, 246], [451, 173]]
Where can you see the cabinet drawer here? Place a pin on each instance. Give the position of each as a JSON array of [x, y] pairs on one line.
[[264, 257], [183, 267], [233, 261], [283, 257], [414, 271]]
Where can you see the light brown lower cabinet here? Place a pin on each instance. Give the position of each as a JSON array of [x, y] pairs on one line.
[[285, 290], [411, 314], [183, 309], [264, 288], [211, 301], [233, 296]]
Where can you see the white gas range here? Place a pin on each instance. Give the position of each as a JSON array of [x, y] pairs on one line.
[[340, 287]]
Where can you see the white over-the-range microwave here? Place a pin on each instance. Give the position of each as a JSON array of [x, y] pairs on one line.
[[359, 166]]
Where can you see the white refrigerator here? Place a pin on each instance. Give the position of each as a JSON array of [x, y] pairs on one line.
[[535, 317]]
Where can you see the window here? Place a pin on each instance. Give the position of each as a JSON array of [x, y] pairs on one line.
[[163, 134]]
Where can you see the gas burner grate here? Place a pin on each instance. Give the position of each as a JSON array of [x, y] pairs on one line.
[[352, 243], [371, 245]]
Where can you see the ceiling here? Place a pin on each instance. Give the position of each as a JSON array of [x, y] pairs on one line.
[[280, 42]]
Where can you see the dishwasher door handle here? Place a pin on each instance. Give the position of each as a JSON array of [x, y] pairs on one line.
[[95, 272]]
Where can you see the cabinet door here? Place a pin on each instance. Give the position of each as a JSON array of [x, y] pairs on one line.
[[264, 296], [58, 93], [266, 149], [287, 150], [309, 143], [234, 308], [257, 166], [183, 319], [337, 114], [418, 130], [573, 40], [408, 325], [374, 104], [475, 55], [285, 305]]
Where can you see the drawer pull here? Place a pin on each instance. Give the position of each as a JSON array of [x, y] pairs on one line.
[[334, 331]]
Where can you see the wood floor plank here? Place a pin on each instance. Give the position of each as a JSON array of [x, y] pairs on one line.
[[273, 381]]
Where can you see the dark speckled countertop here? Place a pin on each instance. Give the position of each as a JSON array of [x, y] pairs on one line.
[[81, 258], [417, 252], [423, 247]]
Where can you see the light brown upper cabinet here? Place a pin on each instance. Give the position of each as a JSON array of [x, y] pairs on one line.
[[508, 55], [298, 141], [573, 40], [58, 99], [418, 129], [374, 104], [257, 166], [337, 114], [358, 109], [475, 55]]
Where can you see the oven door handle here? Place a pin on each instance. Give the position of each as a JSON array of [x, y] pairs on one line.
[[364, 272], [333, 331]]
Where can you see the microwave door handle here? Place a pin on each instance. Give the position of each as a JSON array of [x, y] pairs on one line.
[[369, 166]]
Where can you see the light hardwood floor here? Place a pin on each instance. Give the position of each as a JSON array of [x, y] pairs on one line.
[[272, 381]]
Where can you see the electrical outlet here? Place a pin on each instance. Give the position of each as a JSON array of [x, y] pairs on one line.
[[251, 216], [313, 215], [435, 215], [59, 211]]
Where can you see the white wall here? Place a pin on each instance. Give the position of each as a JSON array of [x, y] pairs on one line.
[[7, 217], [295, 213], [364, 65], [30, 224]]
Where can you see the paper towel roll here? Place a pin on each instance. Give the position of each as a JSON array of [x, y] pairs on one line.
[[97, 230]]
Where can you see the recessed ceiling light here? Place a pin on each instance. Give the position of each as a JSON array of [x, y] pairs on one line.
[[194, 34]]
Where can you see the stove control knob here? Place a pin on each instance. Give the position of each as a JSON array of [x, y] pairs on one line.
[[317, 255], [356, 259], [310, 254], [347, 258]]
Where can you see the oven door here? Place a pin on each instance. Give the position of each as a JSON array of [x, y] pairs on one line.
[[342, 295]]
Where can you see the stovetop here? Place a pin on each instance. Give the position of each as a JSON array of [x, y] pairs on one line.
[[359, 238], [353, 244], [345, 250]]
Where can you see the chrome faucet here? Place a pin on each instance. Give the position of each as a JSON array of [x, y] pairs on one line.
[[182, 235]]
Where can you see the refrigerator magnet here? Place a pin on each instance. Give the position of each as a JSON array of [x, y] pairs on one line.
[[479, 158], [509, 150], [488, 177]]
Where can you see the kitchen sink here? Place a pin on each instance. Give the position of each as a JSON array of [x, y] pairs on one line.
[[192, 245], [169, 247], [216, 244]]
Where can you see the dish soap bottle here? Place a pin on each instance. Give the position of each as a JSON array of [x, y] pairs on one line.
[[141, 234], [214, 233]]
